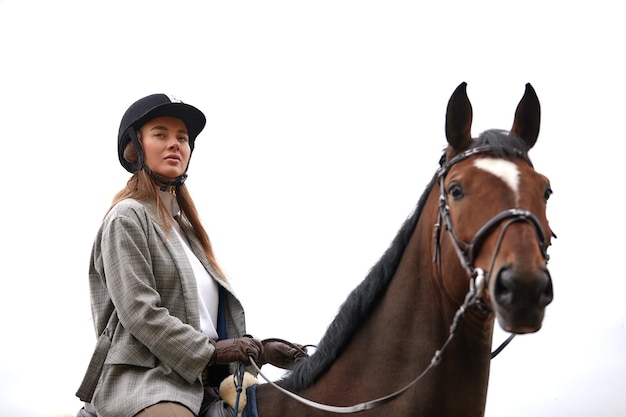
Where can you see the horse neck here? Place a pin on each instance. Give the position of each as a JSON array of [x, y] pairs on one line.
[[409, 325]]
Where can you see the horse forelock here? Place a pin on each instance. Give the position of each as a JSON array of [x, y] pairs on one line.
[[358, 305], [503, 144]]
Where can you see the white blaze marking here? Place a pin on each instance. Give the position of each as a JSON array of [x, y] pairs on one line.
[[505, 170]]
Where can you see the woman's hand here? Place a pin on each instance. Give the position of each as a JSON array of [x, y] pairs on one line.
[[236, 350], [282, 355]]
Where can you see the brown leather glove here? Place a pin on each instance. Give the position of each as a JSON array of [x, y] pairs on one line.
[[234, 350], [281, 354]]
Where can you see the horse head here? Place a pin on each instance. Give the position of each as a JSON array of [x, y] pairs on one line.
[[493, 203]]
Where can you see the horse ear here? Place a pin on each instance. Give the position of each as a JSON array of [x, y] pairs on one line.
[[527, 117], [459, 118]]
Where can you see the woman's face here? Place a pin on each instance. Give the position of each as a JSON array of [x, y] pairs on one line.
[[165, 143]]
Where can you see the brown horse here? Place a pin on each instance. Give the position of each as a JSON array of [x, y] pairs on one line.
[[422, 320]]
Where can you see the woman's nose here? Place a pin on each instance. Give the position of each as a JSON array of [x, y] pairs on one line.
[[173, 143]]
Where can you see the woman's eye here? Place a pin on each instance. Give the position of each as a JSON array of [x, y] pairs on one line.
[[183, 139]]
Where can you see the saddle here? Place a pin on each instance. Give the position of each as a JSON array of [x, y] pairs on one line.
[[223, 404]]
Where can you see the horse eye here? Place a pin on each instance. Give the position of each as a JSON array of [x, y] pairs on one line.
[[455, 191], [547, 193]]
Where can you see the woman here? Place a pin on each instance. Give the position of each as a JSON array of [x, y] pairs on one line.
[[170, 327]]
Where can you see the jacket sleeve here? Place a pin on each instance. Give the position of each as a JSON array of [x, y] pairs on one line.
[[130, 279]]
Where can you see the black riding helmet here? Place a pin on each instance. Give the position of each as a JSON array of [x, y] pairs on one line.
[[148, 108]]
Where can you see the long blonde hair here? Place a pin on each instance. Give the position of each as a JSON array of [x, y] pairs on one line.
[[142, 188]]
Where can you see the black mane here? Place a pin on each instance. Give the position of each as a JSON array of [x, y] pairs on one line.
[[368, 293]]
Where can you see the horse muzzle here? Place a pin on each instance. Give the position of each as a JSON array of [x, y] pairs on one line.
[[519, 298]]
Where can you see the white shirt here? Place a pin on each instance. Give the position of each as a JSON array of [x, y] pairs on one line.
[[208, 289]]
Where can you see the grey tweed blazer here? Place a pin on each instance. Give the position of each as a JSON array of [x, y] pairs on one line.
[[157, 352]]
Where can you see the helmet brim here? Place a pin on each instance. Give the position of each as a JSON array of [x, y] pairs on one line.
[[193, 118]]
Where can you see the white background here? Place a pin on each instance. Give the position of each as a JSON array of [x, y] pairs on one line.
[[325, 123]]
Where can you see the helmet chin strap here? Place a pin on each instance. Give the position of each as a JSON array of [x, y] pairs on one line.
[[176, 182]]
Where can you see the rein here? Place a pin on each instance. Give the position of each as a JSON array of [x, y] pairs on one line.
[[466, 253], [472, 297]]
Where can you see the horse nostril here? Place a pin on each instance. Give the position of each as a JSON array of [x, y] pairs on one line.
[[503, 290], [548, 292]]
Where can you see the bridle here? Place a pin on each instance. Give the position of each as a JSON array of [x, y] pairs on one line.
[[467, 253]]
